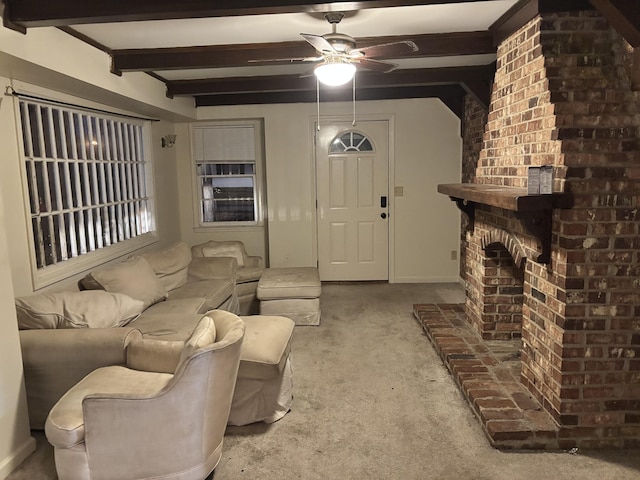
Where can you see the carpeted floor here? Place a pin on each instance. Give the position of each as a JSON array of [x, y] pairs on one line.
[[373, 401]]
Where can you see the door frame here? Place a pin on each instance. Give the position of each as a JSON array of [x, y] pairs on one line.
[[390, 119]]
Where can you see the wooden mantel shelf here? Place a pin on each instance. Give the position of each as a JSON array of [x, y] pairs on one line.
[[533, 210], [509, 198]]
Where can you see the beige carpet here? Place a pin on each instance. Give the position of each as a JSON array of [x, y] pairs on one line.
[[373, 401]]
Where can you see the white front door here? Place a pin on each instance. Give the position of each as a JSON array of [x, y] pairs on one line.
[[353, 197]]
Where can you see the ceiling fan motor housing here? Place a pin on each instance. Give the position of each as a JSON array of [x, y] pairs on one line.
[[340, 42]]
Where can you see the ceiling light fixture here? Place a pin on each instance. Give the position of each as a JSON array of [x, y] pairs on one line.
[[335, 71]]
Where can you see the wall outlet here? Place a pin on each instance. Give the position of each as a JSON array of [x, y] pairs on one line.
[[454, 254]]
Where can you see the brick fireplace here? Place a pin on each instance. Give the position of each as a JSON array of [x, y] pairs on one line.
[[563, 276]]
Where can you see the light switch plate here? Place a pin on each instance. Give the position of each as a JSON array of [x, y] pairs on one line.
[[398, 191]]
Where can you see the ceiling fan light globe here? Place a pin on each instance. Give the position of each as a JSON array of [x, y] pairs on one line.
[[335, 74]]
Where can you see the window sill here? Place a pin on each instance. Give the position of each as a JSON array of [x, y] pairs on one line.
[[228, 228]]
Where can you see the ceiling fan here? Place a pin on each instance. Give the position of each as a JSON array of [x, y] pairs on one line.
[[338, 55]]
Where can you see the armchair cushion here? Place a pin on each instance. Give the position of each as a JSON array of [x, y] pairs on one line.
[[133, 277], [171, 265], [85, 309]]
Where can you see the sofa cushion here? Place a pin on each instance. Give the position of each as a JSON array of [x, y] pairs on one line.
[[133, 277], [171, 265], [214, 291], [166, 326], [86, 309], [224, 249], [179, 305]]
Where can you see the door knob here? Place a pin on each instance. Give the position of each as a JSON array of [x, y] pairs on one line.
[[383, 215]]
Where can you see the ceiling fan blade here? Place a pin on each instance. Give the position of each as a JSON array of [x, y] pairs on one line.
[[389, 50], [289, 60], [319, 43], [375, 65], [308, 73]]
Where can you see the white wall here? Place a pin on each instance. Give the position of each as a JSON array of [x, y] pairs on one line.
[[43, 61], [16, 442], [51, 58], [427, 152]]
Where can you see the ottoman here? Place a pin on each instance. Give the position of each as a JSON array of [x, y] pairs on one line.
[[264, 387], [291, 292]]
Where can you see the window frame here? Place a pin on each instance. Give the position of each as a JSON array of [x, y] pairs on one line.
[[66, 268], [259, 176]]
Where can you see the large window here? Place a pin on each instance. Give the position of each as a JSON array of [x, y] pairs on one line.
[[227, 173], [86, 177]]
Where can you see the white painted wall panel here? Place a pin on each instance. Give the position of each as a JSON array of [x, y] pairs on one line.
[[426, 150]]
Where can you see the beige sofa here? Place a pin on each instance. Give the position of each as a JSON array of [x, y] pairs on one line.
[[66, 335]]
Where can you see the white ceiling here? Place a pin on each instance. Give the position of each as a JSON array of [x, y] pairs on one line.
[[248, 29], [460, 17]]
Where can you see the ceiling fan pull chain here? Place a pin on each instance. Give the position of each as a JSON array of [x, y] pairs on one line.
[[318, 100], [354, 102]]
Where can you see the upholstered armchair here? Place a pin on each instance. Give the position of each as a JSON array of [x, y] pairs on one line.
[[250, 268], [163, 415]]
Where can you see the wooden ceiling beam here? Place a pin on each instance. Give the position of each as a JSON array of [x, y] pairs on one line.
[[417, 77], [36, 13], [451, 95], [525, 10], [624, 16], [216, 56]]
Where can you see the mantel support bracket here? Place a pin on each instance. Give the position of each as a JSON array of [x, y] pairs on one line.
[[469, 208], [539, 223]]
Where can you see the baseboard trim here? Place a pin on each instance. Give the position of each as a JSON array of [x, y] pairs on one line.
[[427, 280], [13, 461]]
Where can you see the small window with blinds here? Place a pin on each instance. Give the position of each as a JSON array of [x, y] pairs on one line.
[[86, 178], [227, 173]]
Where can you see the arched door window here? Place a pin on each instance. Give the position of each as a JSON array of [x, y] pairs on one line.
[[350, 142]]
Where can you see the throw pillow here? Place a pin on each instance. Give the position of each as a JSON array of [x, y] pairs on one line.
[[171, 265], [133, 277], [225, 249], [86, 309]]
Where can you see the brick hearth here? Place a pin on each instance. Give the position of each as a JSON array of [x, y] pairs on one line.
[[510, 417]]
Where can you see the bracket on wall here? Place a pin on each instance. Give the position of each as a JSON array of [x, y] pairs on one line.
[[538, 224], [467, 207], [534, 211]]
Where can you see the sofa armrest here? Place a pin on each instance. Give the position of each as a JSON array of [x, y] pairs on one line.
[[207, 268], [151, 355], [253, 261], [55, 360]]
